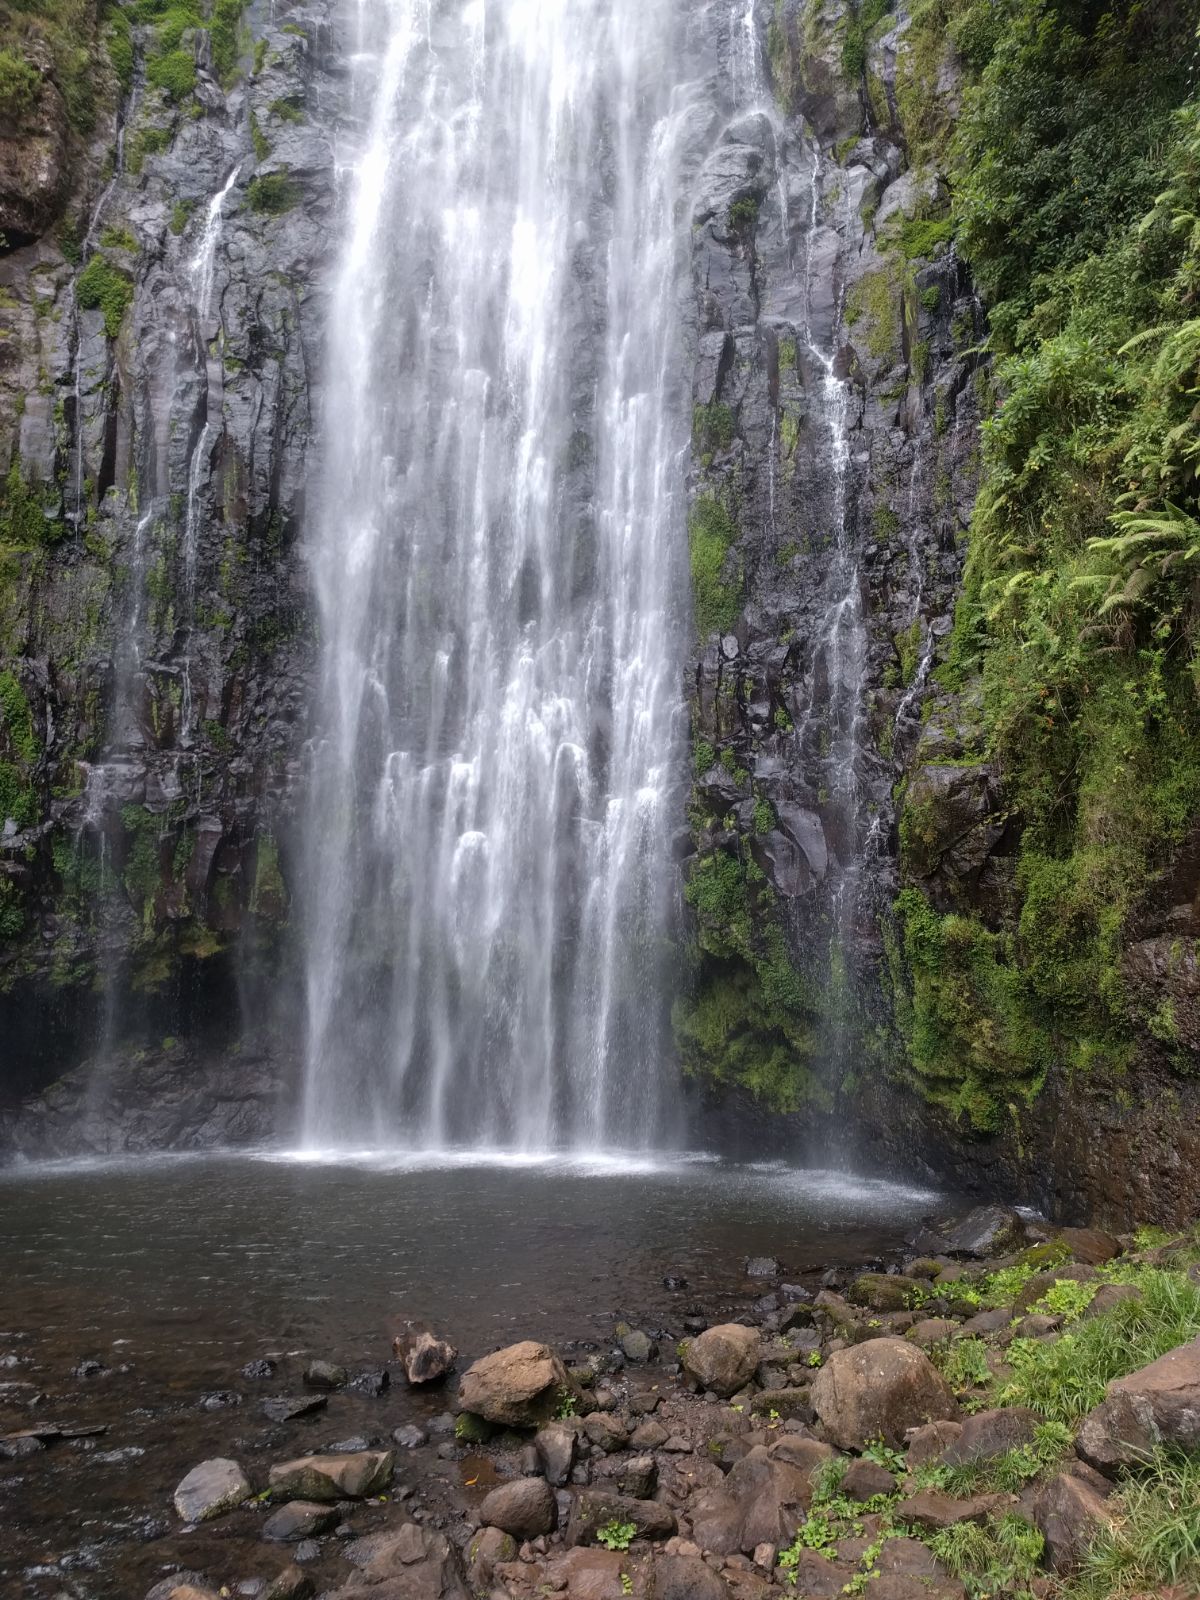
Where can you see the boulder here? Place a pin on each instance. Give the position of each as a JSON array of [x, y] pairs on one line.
[[989, 1434], [525, 1508], [333, 1477], [594, 1509], [487, 1549], [878, 1390], [638, 1347], [414, 1563], [1169, 1389], [300, 1519], [519, 1386], [985, 1322], [585, 1573], [636, 1476], [882, 1291], [287, 1408], [931, 1330], [1108, 1296], [1120, 1432], [609, 1433], [986, 1231], [762, 1501], [687, 1578], [762, 1267], [927, 1442], [325, 1375], [1090, 1245], [1069, 1513], [933, 1510], [723, 1359], [556, 1444], [425, 1356], [211, 1489], [866, 1478]]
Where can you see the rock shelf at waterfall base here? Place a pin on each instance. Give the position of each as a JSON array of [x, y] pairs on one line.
[[1002, 1407]]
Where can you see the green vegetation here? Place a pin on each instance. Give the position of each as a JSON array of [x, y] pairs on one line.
[[174, 73], [749, 1019], [62, 32], [616, 1535], [20, 88], [711, 536], [23, 522], [18, 718], [272, 194], [712, 428], [1153, 1538], [856, 31], [103, 287], [1075, 172], [181, 213], [743, 215]]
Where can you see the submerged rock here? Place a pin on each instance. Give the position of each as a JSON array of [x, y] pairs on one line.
[[300, 1519]]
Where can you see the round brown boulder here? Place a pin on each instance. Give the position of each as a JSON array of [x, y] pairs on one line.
[[519, 1386], [878, 1390], [725, 1358], [524, 1508]]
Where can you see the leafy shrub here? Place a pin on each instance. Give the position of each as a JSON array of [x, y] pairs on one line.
[[20, 87], [272, 194], [103, 287]]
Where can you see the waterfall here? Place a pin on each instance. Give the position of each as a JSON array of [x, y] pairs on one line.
[[499, 564]]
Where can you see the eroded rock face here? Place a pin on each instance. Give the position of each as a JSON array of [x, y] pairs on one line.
[[413, 1564], [518, 1386], [878, 1390]]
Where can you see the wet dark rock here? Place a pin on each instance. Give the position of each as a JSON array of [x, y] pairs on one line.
[[287, 1408], [1090, 1245], [674, 1282], [211, 1489], [425, 1356], [410, 1436], [986, 1231], [264, 1367], [373, 1383], [488, 1548], [523, 1508], [17, 1446], [354, 1445], [220, 1400], [290, 1584], [89, 1368], [325, 1375], [649, 1435], [299, 1519], [644, 1402], [762, 1267]]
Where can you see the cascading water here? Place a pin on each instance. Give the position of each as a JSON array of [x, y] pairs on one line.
[[499, 566]]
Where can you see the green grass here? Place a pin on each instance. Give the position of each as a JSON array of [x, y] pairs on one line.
[[716, 597], [272, 194], [1065, 1379], [984, 1558], [1153, 1541]]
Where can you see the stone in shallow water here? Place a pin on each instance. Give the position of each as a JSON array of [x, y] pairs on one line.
[[375, 1382], [299, 1519], [762, 1267], [410, 1437], [324, 1375], [264, 1367], [425, 1356], [349, 1477], [286, 1408], [211, 1489], [220, 1400]]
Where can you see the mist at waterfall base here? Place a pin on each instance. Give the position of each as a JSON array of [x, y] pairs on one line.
[[174, 1273]]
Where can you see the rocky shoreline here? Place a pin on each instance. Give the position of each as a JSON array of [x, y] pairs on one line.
[[975, 1416]]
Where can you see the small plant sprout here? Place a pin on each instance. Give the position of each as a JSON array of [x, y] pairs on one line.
[[616, 1535]]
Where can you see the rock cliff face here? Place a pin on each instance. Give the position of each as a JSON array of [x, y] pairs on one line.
[[168, 219], [160, 298]]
